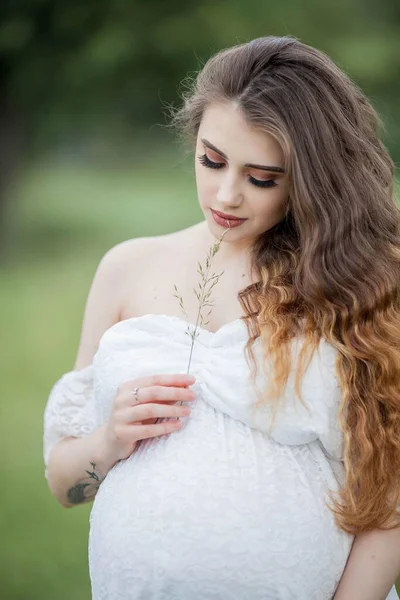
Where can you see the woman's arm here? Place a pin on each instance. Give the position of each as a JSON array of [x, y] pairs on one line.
[[372, 567], [75, 466]]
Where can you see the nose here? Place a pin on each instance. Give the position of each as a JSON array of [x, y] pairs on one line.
[[229, 193]]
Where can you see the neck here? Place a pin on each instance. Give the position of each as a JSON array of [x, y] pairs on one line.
[[232, 256]]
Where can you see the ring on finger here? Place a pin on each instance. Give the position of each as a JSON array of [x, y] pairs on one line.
[[135, 394]]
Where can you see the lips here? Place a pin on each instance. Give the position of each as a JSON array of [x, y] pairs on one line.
[[226, 221], [227, 217]]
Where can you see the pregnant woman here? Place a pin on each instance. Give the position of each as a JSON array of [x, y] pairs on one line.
[[272, 470]]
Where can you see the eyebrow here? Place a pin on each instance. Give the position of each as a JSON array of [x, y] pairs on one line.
[[261, 167]]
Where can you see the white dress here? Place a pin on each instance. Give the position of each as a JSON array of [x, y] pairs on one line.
[[220, 510]]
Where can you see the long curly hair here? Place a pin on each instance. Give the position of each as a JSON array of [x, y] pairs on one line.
[[331, 268]]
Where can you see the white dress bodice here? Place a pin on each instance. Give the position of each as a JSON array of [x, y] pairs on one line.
[[223, 509]]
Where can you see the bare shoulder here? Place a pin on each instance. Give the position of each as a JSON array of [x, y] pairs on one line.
[[127, 257], [152, 266], [124, 283], [105, 303], [126, 253], [141, 253]]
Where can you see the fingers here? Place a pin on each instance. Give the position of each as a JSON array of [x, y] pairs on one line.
[[175, 380], [149, 431], [161, 394], [159, 398], [141, 412], [156, 393]]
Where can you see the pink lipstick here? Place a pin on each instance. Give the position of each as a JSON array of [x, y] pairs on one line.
[[227, 221]]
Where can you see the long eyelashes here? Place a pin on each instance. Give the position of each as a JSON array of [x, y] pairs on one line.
[[210, 164], [269, 183]]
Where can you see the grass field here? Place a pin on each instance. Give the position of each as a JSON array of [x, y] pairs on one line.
[[64, 218]]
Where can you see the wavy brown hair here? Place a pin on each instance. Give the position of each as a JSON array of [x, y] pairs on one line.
[[331, 268]]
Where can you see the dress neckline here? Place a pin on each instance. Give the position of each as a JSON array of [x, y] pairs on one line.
[[222, 336], [173, 318]]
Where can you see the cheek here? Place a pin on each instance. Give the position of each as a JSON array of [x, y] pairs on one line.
[[207, 187], [273, 205]]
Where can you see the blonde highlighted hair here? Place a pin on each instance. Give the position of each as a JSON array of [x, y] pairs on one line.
[[331, 268]]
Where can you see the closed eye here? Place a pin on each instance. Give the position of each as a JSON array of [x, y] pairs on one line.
[[263, 183], [210, 164]]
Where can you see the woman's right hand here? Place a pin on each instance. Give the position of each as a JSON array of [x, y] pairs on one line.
[[131, 421]]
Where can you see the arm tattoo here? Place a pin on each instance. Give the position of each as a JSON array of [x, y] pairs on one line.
[[85, 489]]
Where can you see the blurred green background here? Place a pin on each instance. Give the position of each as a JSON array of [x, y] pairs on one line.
[[86, 162]]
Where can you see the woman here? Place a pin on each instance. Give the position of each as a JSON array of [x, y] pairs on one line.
[[260, 475]]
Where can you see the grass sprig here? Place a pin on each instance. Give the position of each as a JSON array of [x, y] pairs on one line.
[[203, 293]]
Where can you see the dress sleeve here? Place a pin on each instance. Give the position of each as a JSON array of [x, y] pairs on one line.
[[70, 409]]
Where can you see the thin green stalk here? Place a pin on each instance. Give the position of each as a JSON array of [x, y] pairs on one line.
[[203, 296], [201, 304]]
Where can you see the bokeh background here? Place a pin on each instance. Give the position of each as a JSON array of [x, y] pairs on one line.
[[86, 161]]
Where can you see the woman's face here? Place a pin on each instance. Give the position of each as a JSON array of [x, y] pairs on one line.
[[239, 172]]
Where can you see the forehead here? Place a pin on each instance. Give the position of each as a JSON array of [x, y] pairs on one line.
[[226, 128]]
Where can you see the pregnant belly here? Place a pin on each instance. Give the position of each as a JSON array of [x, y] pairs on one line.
[[216, 510]]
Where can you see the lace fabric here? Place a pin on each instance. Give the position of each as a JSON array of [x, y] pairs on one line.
[[219, 510], [70, 409]]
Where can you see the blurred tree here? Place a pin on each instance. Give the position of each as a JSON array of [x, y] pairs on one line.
[[74, 68], [76, 65]]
